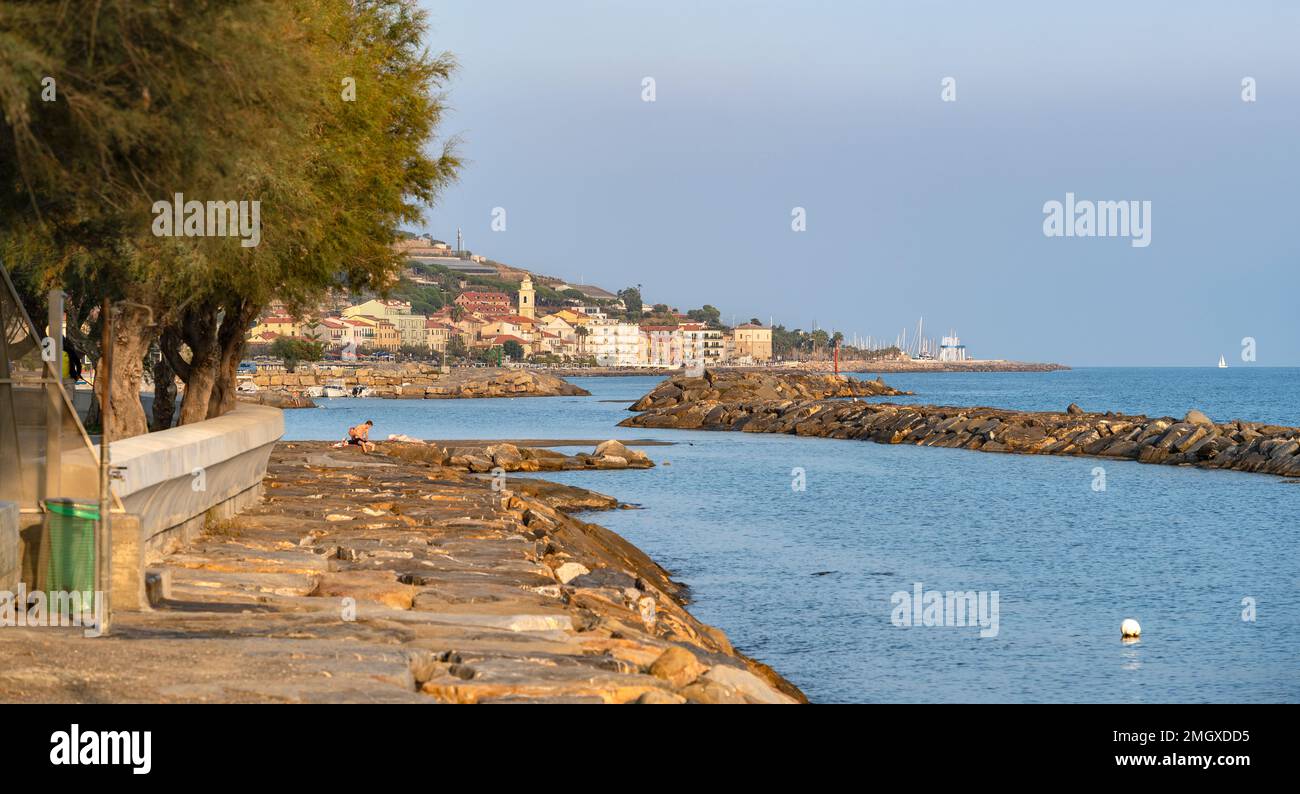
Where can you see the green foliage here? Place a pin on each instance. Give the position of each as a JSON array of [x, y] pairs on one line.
[[425, 298], [631, 298], [706, 314], [513, 349], [292, 350], [219, 101]]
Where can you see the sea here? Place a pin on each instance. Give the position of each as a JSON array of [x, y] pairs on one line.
[[873, 573]]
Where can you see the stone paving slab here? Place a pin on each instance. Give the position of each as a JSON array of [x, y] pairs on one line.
[[388, 578]]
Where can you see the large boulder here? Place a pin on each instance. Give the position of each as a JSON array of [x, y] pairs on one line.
[[677, 666]]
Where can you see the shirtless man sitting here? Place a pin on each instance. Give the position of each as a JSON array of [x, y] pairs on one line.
[[360, 436]]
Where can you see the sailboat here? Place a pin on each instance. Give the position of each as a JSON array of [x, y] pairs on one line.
[[1222, 364]]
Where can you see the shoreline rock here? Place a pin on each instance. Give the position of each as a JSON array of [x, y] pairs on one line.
[[420, 381], [1193, 441], [608, 455], [743, 387], [379, 579]]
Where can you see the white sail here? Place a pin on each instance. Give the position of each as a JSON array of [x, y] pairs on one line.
[[1222, 363]]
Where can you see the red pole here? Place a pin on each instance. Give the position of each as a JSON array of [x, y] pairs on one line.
[[837, 358]]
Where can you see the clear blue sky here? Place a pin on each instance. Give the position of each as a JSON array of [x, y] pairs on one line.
[[915, 206]]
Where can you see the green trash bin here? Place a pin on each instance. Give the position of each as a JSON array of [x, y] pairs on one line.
[[70, 558]]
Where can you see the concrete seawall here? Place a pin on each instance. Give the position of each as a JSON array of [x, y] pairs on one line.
[[1194, 440], [176, 480]]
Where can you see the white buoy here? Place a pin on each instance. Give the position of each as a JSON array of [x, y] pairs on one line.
[[1130, 628]]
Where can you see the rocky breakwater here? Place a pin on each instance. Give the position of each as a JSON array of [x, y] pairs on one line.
[[700, 402], [1195, 440], [420, 381]]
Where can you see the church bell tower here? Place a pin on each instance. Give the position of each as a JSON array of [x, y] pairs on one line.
[[526, 298]]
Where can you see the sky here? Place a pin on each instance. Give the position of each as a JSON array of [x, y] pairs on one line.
[[915, 206]]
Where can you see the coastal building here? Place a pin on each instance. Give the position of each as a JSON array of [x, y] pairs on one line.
[[751, 344], [328, 331], [357, 334], [557, 325], [387, 336], [614, 344], [410, 327], [276, 325], [661, 346], [372, 333], [437, 334], [508, 324], [702, 345], [594, 313], [500, 341], [574, 319], [485, 303], [548, 343], [427, 251]]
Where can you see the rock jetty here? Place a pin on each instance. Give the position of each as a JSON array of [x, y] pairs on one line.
[[1194, 440], [729, 387], [421, 381], [371, 578]]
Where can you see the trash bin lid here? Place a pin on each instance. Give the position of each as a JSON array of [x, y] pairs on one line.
[[68, 507]]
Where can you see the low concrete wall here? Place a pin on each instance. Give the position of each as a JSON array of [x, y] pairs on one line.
[[10, 547], [175, 480]]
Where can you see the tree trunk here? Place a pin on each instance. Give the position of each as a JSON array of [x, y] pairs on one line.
[[230, 349], [198, 390], [131, 337], [196, 328], [164, 395]]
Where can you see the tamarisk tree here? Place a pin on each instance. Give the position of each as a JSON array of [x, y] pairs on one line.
[[119, 117]]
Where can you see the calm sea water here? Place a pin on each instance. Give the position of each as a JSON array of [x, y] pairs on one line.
[[803, 579]]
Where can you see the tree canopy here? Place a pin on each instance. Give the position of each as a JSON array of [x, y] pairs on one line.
[[323, 113]]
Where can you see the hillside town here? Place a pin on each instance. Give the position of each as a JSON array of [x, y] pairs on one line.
[[550, 322]]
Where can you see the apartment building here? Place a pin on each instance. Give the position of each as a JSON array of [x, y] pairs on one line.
[[661, 346], [701, 344], [751, 344], [410, 327], [613, 344]]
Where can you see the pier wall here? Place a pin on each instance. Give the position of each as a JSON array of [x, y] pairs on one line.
[[175, 481]]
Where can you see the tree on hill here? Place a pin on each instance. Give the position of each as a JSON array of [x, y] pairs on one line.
[[707, 314], [631, 298]]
